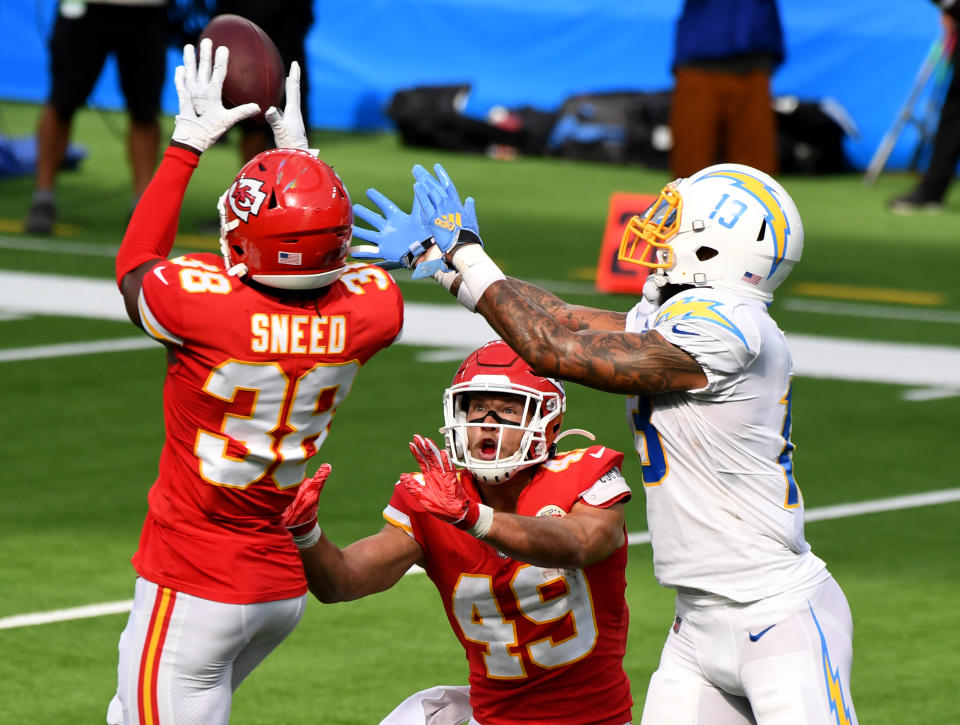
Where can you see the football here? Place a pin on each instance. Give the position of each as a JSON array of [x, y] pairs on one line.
[[255, 72]]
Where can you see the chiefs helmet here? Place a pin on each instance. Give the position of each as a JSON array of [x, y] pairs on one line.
[[496, 369], [286, 221], [728, 226]]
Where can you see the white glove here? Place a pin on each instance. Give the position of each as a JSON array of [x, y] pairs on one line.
[[651, 293], [651, 288], [202, 118], [288, 129]]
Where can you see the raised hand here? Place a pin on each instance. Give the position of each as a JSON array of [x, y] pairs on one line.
[[451, 221], [300, 517], [441, 493], [202, 118], [397, 238], [288, 129]]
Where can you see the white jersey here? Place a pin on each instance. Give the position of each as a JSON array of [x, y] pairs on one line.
[[724, 511]]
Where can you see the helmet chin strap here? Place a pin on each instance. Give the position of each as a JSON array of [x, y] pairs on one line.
[[234, 270]]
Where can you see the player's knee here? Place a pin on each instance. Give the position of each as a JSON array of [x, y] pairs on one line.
[[64, 110], [775, 690], [672, 699], [144, 118]]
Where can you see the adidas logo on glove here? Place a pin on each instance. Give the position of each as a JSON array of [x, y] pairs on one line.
[[449, 221]]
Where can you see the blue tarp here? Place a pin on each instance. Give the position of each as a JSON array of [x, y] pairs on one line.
[[18, 156], [862, 53]]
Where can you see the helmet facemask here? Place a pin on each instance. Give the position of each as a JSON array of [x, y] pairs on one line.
[[226, 226], [646, 238], [538, 417]]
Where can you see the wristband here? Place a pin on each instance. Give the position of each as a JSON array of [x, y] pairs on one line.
[[477, 269], [305, 541], [484, 521]]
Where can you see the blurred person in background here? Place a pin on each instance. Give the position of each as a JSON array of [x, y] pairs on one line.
[[84, 34], [929, 193], [725, 53]]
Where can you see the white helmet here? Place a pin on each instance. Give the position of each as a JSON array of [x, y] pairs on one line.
[[728, 226], [497, 369]]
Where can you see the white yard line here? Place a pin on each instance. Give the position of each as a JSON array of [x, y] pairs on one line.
[[823, 513], [69, 349], [879, 312], [450, 327]]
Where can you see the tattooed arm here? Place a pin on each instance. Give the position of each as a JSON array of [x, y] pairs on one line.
[[576, 344], [573, 317]]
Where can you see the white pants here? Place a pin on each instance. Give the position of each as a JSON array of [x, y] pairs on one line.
[[181, 657], [441, 705], [784, 660]]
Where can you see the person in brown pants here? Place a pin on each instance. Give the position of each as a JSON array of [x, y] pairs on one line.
[[725, 54]]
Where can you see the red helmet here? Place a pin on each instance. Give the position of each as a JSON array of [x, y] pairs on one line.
[[495, 369], [286, 221]]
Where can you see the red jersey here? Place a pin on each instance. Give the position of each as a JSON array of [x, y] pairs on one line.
[[252, 384], [543, 645]]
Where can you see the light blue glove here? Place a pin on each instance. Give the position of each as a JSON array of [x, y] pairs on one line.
[[452, 222], [397, 238]]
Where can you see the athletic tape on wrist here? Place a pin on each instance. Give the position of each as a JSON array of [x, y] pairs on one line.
[[305, 541], [465, 296], [484, 522], [477, 269]]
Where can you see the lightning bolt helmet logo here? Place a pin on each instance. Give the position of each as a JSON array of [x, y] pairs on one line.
[[728, 226]]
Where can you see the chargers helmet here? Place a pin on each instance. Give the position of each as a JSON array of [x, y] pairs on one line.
[[497, 369], [728, 226], [286, 221]]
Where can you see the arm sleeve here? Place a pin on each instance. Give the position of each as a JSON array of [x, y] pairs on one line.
[[606, 485], [399, 511], [153, 226]]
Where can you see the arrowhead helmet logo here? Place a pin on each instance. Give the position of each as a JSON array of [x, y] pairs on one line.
[[246, 197]]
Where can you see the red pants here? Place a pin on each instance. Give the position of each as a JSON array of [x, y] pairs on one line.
[[720, 117]]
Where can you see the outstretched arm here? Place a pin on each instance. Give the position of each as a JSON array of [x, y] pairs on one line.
[[201, 121], [577, 344], [573, 317], [607, 359], [586, 535], [367, 566]]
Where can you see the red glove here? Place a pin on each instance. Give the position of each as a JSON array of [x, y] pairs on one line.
[[300, 517], [441, 493]]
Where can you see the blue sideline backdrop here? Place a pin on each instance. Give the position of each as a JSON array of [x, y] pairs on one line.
[[862, 53]]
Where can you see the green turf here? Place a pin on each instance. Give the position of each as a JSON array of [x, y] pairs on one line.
[[80, 437]]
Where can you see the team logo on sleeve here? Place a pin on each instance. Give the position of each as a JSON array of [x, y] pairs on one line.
[[552, 510], [246, 197], [694, 308]]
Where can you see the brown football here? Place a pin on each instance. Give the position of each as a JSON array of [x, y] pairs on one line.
[[255, 72]]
